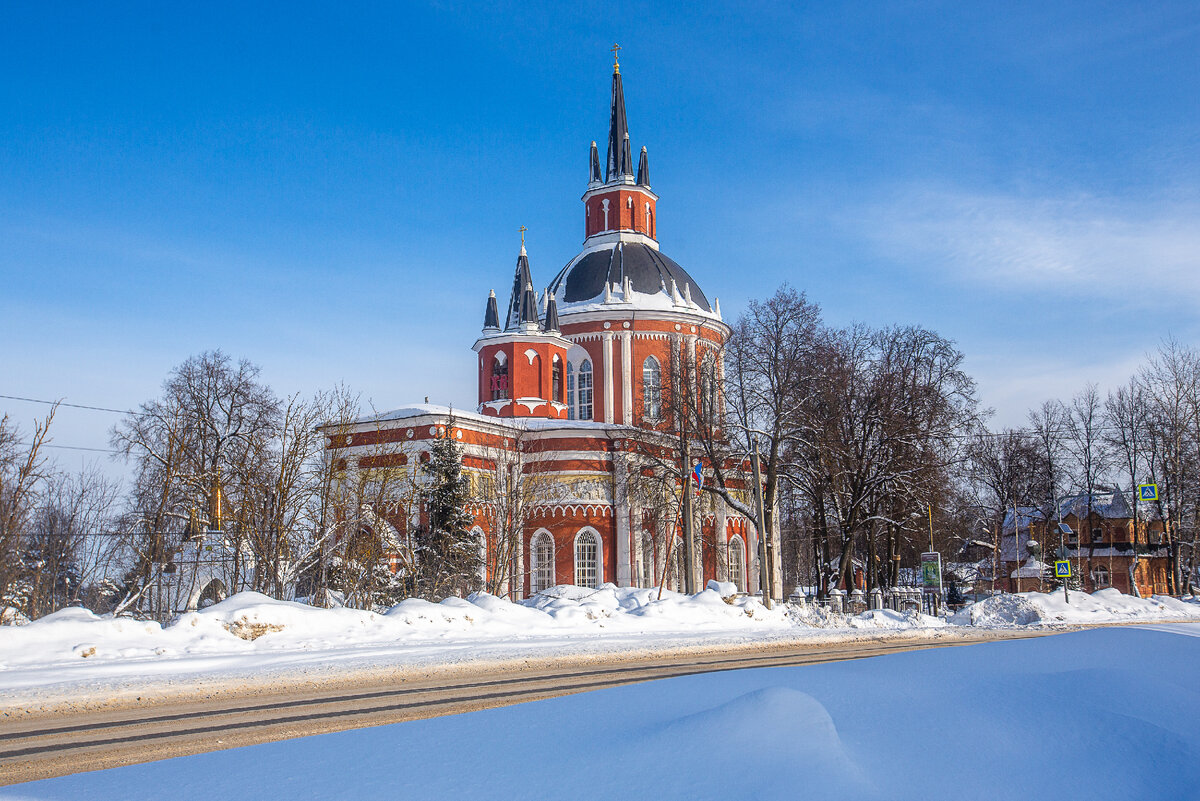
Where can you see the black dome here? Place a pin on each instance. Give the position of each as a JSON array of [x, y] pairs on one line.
[[648, 270]]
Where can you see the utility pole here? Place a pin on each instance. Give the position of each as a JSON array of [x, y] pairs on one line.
[[764, 569]]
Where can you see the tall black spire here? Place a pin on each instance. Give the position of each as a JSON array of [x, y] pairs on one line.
[[643, 169], [551, 323], [521, 280], [594, 174], [619, 161], [491, 317]]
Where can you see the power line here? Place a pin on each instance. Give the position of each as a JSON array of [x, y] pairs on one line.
[[64, 403], [70, 447]]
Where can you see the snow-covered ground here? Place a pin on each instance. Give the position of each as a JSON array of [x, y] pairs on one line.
[[1102, 713], [74, 650]]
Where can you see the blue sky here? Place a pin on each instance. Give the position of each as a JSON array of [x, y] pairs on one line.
[[331, 191]]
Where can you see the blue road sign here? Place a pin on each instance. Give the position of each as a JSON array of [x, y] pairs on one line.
[[1062, 569], [1147, 492]]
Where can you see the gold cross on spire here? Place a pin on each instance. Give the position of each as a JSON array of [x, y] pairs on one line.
[[522, 229], [616, 62]]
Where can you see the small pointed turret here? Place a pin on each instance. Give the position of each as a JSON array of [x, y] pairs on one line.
[[522, 278], [528, 311], [491, 317], [551, 323], [643, 175], [594, 168]]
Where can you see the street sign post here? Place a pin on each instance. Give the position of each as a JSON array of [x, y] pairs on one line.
[[931, 571], [1062, 569], [1147, 492]]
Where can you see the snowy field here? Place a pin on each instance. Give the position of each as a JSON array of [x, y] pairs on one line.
[[1103, 713], [74, 651]]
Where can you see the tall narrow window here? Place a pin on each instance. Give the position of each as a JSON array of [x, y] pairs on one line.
[[499, 378], [737, 564], [584, 390], [556, 377], [652, 388], [587, 560], [570, 391], [708, 388], [543, 562]]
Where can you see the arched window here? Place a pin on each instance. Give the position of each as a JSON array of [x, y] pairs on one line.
[[542, 551], [651, 388], [499, 378], [570, 391], [535, 365], [737, 563], [588, 566], [583, 391], [556, 376]]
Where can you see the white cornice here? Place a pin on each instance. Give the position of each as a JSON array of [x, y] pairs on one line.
[[504, 338], [604, 189], [604, 238]]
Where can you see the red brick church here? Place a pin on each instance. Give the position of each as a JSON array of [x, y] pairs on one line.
[[566, 376]]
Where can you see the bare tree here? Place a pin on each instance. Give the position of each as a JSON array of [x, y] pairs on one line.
[[23, 471], [1125, 434]]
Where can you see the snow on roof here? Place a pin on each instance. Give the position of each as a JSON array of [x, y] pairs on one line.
[[1025, 516], [1107, 505], [418, 410]]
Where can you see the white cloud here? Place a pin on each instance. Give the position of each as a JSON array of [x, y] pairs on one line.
[[1083, 246]]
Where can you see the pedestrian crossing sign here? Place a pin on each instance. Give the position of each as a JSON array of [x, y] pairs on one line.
[[1062, 569], [1147, 492]]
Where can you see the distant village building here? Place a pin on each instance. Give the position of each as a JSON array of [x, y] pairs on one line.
[[567, 376], [1100, 544]]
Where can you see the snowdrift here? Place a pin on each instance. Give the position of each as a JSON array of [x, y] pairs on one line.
[[250, 632], [250, 624], [1044, 609]]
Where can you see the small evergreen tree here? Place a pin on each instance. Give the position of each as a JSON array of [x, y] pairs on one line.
[[447, 551]]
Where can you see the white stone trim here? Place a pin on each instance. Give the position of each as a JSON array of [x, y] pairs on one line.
[[627, 378], [608, 377]]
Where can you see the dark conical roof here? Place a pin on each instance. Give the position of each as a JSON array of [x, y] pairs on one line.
[[521, 280], [551, 323], [594, 167], [528, 312], [619, 160], [491, 317], [643, 176]]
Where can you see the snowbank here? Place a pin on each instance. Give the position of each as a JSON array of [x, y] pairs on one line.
[[249, 632], [946, 723], [1043, 609]]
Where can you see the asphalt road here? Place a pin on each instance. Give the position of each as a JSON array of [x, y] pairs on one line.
[[74, 742]]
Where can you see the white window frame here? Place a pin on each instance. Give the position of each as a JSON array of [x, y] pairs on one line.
[[570, 391], [536, 564], [585, 391], [736, 545], [652, 389], [599, 566]]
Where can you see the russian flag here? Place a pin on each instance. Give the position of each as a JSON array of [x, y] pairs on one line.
[[699, 476]]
